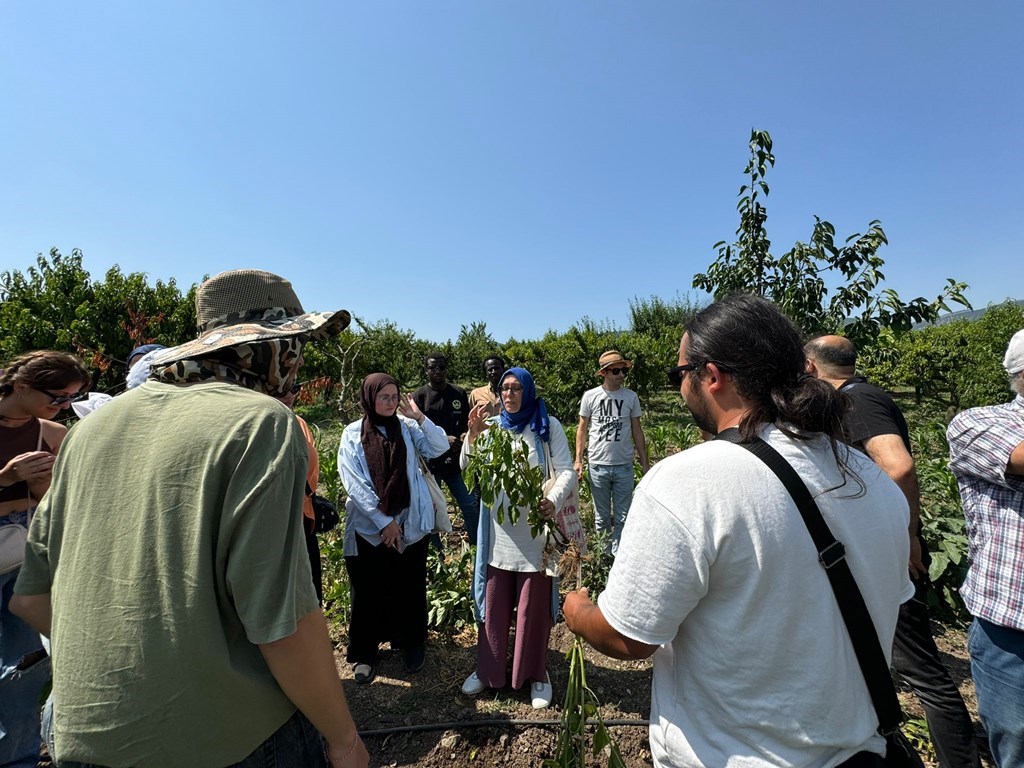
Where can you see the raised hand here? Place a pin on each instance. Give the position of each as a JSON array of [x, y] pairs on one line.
[[408, 408]]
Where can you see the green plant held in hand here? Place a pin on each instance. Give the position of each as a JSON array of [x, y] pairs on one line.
[[501, 463], [580, 704]]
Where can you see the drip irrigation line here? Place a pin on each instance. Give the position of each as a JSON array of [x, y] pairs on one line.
[[459, 724]]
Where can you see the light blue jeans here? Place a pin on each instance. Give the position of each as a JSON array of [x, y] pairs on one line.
[[611, 487], [997, 666], [20, 689]]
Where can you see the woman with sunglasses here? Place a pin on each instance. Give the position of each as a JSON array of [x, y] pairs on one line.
[[389, 518], [510, 571], [34, 388]]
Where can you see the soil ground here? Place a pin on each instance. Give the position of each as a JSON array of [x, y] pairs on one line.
[[397, 700]]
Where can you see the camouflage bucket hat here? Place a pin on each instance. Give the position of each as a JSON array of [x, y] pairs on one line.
[[247, 305]]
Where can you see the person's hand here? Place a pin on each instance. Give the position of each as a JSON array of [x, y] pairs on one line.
[[391, 535], [917, 569], [355, 756], [34, 465], [477, 422], [452, 439], [547, 508], [408, 408], [578, 466], [573, 604]]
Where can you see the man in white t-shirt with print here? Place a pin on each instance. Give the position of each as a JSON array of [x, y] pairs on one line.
[[609, 431], [718, 578]]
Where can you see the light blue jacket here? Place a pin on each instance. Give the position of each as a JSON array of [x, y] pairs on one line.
[[363, 516]]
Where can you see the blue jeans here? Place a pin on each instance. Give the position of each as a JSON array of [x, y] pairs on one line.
[[611, 487], [997, 666], [463, 500], [20, 689], [296, 744]]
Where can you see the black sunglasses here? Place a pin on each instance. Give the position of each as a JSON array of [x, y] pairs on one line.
[[617, 371], [296, 388], [61, 399], [675, 375]]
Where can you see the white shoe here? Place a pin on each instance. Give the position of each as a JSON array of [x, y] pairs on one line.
[[473, 685], [541, 693]]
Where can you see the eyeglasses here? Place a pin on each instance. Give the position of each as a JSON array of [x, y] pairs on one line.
[[296, 388], [61, 399], [617, 371], [388, 398], [512, 389], [676, 375]]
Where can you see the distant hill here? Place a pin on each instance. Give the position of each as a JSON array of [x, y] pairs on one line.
[[967, 314]]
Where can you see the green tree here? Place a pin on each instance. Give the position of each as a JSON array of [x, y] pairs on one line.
[[57, 305], [856, 305], [957, 363]]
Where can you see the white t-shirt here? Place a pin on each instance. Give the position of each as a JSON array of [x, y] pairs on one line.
[[715, 565], [610, 437]]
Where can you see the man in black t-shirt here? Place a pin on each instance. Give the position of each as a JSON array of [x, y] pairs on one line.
[[448, 407], [875, 425]]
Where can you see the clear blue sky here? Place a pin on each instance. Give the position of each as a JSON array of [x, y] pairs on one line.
[[519, 163]]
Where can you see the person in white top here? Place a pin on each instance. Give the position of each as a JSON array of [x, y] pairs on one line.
[[509, 572], [717, 577]]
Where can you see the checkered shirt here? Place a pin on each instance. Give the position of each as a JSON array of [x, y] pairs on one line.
[[980, 443]]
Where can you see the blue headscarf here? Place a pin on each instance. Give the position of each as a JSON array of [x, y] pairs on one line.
[[532, 411]]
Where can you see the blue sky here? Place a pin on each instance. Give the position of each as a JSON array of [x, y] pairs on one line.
[[524, 164]]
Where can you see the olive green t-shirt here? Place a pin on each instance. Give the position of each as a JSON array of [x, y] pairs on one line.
[[171, 544]]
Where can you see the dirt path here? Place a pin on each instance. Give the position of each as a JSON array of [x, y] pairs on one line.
[[397, 699]]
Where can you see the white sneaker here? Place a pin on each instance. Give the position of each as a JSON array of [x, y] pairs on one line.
[[541, 693], [473, 685]]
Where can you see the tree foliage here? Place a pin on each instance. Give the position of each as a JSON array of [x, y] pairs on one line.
[[822, 285], [958, 363], [57, 305]]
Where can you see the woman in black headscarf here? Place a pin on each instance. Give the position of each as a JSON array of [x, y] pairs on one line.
[[390, 514]]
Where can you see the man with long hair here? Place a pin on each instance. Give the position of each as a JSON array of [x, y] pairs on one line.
[[717, 577]]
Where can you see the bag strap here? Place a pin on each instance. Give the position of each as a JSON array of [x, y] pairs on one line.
[[832, 556]]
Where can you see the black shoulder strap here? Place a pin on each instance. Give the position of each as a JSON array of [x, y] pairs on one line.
[[832, 556]]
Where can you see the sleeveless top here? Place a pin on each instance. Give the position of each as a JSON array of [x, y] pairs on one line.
[[15, 441]]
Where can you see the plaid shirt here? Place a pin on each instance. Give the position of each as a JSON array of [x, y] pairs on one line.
[[980, 443]]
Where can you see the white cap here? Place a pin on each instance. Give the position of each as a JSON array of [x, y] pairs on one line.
[[1014, 360]]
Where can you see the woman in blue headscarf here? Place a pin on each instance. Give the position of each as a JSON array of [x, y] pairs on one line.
[[510, 562]]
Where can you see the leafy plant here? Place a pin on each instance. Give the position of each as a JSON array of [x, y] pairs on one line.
[[796, 281], [581, 704], [942, 520], [450, 589]]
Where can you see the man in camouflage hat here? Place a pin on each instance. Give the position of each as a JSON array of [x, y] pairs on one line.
[[168, 562]]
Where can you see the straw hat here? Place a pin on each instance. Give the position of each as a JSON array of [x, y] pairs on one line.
[[610, 358]]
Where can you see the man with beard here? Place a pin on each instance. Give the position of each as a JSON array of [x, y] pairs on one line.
[[717, 576]]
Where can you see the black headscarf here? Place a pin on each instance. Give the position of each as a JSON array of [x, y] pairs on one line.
[[385, 454]]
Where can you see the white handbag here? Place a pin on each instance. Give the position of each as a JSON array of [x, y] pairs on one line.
[[442, 523], [14, 536]]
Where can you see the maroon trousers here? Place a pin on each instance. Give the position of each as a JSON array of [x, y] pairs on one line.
[[530, 595]]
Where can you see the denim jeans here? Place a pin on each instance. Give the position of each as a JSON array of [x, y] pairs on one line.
[[611, 487], [997, 665], [463, 500], [20, 690], [916, 659], [296, 744]]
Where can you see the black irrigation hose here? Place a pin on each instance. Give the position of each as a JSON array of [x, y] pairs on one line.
[[485, 723]]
